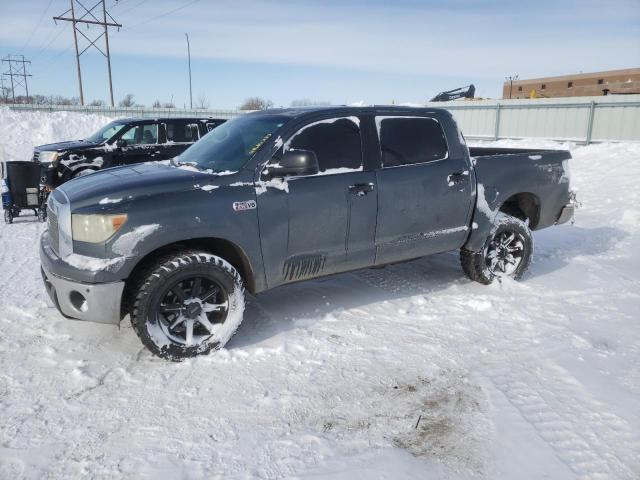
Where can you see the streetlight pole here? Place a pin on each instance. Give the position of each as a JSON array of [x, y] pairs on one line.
[[511, 78], [189, 55]]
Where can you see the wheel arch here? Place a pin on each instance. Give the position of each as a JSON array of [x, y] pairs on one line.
[[220, 247], [525, 206]]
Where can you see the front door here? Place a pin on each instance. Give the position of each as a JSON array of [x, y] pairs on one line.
[[424, 190], [325, 223]]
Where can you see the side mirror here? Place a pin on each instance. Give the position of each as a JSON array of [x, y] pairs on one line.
[[121, 143], [295, 162]]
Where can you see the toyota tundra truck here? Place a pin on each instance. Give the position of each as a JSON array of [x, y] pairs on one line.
[[279, 196]]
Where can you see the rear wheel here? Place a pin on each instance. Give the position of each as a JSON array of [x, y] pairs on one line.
[[188, 304], [507, 252]]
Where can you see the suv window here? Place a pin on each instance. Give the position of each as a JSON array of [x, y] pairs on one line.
[[145, 134], [182, 132], [336, 143], [407, 141]]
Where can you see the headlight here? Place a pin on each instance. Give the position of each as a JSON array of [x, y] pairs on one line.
[[47, 157], [96, 228]]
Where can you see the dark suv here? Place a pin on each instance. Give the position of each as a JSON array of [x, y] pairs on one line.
[[121, 142]]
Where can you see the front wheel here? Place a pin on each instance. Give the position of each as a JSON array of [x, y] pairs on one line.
[[188, 304], [507, 252]]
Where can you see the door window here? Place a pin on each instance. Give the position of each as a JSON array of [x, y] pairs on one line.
[[182, 132], [336, 143], [145, 134], [410, 140]]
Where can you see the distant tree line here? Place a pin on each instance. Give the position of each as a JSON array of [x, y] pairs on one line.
[[251, 103]]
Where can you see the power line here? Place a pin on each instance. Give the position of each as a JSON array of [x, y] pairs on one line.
[[88, 17], [131, 8], [37, 24], [144, 22]]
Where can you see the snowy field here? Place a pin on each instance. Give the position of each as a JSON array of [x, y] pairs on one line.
[[410, 371]]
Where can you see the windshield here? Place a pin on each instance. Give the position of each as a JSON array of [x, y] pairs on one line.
[[106, 132], [230, 146]]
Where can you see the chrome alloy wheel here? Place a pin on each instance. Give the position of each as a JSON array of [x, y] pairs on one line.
[[192, 310], [505, 253]]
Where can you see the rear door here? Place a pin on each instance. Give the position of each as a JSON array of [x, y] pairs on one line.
[[142, 144], [180, 134], [325, 223], [424, 189]]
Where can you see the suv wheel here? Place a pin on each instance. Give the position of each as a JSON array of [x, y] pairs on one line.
[[188, 304], [507, 252]]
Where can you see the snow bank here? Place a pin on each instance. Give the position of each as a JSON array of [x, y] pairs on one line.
[[21, 131]]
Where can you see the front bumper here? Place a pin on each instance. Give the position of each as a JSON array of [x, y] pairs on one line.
[[83, 301], [93, 302]]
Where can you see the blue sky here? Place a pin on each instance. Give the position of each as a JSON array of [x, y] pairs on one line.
[[337, 51]]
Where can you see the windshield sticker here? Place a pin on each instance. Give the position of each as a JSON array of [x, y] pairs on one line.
[[259, 144]]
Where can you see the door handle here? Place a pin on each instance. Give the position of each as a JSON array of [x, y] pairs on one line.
[[361, 189], [456, 177]]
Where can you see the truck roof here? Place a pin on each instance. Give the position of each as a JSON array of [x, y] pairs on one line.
[[164, 119], [346, 109]]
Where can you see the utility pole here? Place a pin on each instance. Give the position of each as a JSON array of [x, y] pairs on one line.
[[511, 79], [17, 69], [87, 16], [189, 55]]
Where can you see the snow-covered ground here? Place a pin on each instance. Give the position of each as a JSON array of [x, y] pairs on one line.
[[410, 371]]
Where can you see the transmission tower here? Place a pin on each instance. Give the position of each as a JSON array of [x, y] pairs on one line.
[[17, 73], [88, 17]]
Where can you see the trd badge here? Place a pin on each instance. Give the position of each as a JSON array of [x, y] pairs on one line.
[[248, 205]]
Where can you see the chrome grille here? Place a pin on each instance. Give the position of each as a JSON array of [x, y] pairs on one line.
[[52, 224]]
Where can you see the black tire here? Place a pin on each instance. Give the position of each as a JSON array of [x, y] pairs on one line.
[[507, 252], [167, 291]]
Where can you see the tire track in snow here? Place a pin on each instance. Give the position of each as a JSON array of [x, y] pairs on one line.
[[578, 428]]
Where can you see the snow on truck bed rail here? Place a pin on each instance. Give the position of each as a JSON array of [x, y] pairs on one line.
[[410, 371]]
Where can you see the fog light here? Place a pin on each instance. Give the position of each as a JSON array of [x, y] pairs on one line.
[[78, 301]]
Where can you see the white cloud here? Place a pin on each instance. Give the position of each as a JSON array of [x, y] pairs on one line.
[[454, 39]]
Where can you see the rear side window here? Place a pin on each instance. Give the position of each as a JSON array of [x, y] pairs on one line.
[[182, 132], [408, 141], [336, 143]]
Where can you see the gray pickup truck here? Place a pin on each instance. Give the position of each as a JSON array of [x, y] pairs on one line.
[[280, 196]]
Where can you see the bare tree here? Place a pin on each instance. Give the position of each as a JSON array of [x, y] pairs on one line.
[[127, 101], [305, 102], [156, 104], [97, 103], [256, 103], [202, 101]]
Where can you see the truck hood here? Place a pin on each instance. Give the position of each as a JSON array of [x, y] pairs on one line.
[[123, 184], [64, 146]]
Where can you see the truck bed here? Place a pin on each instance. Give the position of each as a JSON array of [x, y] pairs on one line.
[[487, 151], [535, 181]]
